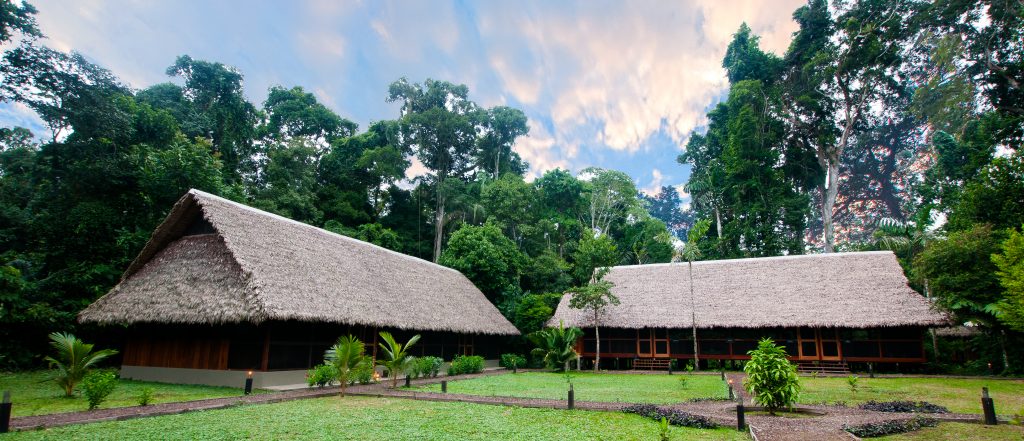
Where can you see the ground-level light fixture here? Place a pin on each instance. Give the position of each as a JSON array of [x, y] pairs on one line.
[[248, 382]]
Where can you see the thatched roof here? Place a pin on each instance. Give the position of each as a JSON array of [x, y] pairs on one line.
[[213, 261], [854, 290]]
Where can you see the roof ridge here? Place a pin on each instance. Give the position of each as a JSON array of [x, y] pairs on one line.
[[204, 194], [750, 259]]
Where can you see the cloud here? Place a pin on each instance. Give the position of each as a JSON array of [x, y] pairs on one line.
[[657, 180], [540, 151]]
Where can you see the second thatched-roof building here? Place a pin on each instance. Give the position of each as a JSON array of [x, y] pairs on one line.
[[222, 288]]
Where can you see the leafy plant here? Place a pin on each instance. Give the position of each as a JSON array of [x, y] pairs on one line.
[[663, 429], [428, 366], [673, 416], [363, 373], [890, 427], [683, 382], [322, 375], [74, 360], [771, 378], [466, 364], [852, 382], [344, 357], [145, 396], [510, 361], [97, 386], [395, 355], [903, 406], [556, 346]]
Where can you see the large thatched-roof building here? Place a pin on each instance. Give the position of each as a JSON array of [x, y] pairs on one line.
[[222, 288], [840, 307]]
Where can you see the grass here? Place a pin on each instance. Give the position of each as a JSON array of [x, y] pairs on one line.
[[360, 418], [957, 394], [960, 432], [33, 394], [627, 388]]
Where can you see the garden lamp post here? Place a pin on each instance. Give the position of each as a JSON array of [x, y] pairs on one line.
[[248, 383]]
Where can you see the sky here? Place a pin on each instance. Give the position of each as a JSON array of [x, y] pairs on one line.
[[619, 85]]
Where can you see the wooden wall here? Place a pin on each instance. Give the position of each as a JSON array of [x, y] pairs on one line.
[[187, 352]]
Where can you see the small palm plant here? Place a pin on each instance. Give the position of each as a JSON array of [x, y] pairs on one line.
[[556, 346], [346, 357], [74, 360], [395, 356]]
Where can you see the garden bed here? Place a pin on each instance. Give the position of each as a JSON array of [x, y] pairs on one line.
[[600, 387]]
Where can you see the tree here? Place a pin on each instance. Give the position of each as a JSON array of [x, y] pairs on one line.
[[691, 252], [501, 126], [396, 356], [556, 346], [487, 258], [609, 196], [346, 357], [595, 250], [534, 310], [18, 18], [73, 361], [962, 278], [439, 123], [296, 113], [666, 206], [771, 378], [1011, 276], [595, 296]]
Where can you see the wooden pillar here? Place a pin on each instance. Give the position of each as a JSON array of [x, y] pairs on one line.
[[265, 360]]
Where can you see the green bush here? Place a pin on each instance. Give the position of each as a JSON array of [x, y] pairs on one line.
[[363, 373], [771, 378], [97, 386], [508, 361], [145, 396], [466, 364], [322, 375], [428, 366]]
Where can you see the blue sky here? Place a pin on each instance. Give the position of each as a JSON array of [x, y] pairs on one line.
[[610, 84]]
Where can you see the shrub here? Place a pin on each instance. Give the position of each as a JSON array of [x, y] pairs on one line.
[[428, 366], [344, 357], [508, 361], [683, 381], [466, 364], [852, 381], [903, 406], [97, 386], [771, 378], [663, 429], [363, 372], [145, 396], [890, 427], [322, 375], [673, 416]]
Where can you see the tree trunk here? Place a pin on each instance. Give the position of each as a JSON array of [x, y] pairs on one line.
[[597, 339], [935, 339], [831, 191], [1002, 345], [693, 318], [439, 226], [718, 222]]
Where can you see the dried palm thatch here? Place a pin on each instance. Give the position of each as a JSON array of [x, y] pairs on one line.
[[214, 261], [848, 290]]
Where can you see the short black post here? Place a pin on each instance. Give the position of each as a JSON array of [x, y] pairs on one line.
[[514, 367], [741, 417], [670, 367], [408, 381], [989, 407], [871, 370], [444, 386], [248, 383], [5, 412], [572, 398], [723, 375]]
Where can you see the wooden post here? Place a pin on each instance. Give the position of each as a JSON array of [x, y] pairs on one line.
[[265, 359], [572, 398], [741, 418], [408, 380], [444, 386], [5, 412], [988, 406]]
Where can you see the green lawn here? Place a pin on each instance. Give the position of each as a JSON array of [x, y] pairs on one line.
[[961, 432], [33, 394], [360, 418], [959, 395], [628, 388]]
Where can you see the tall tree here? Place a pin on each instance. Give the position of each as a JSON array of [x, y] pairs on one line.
[[595, 297], [439, 122], [501, 126], [691, 252]]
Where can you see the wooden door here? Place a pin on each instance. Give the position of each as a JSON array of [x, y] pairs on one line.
[[659, 338], [644, 343], [807, 344]]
